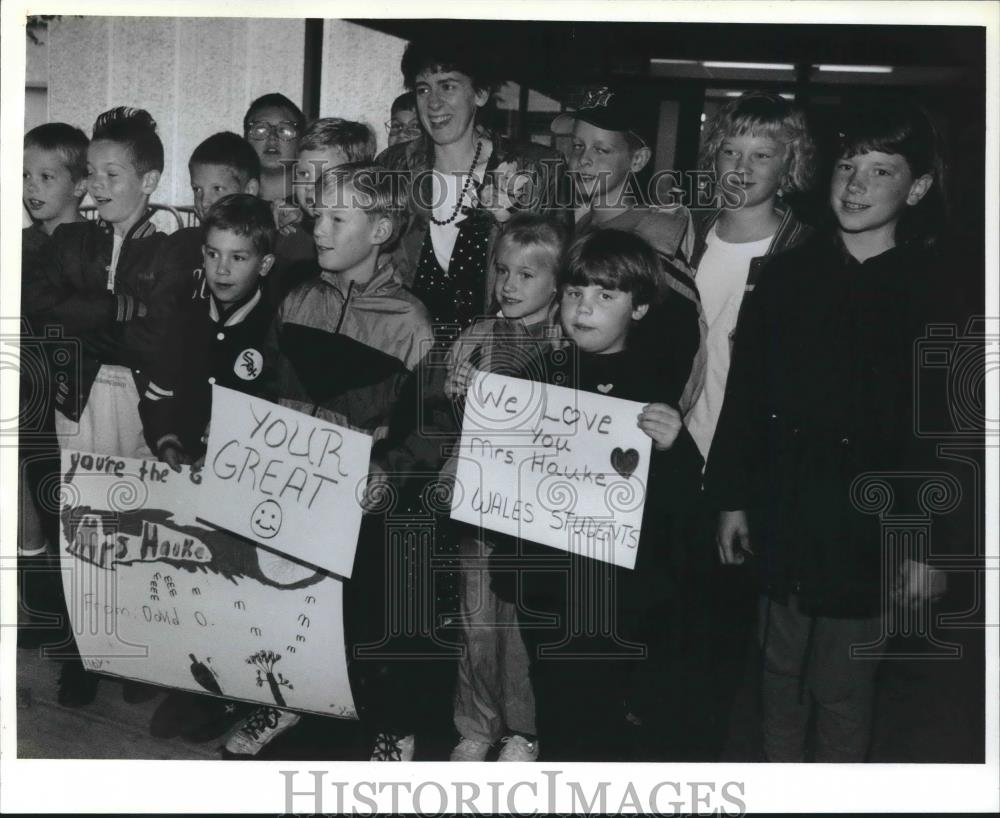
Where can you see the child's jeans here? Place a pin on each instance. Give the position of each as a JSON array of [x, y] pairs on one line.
[[493, 694], [808, 659]]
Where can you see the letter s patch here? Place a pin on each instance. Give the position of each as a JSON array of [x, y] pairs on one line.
[[249, 364]]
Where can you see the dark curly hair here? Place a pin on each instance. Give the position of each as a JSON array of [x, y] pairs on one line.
[[445, 53]]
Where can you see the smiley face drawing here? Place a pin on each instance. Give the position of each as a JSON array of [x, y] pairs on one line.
[[265, 521]]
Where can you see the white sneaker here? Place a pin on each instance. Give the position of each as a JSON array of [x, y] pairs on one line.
[[258, 729], [390, 747], [518, 748], [470, 750]]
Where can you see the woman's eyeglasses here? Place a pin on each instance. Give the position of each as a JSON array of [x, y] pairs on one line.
[[285, 131]]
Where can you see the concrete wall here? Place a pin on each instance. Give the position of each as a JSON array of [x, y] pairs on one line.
[[195, 76], [361, 74], [36, 79]]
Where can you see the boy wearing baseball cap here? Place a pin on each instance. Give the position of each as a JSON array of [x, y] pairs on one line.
[[612, 133]]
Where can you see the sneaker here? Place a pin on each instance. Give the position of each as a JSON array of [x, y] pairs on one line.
[[470, 750], [518, 748], [77, 687], [258, 730], [390, 747]]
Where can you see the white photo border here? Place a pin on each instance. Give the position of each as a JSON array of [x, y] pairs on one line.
[[86, 786]]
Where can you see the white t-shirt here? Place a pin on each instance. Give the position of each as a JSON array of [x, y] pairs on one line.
[[721, 280], [117, 240]]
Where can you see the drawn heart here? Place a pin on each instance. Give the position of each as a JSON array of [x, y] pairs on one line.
[[604, 388], [624, 462]]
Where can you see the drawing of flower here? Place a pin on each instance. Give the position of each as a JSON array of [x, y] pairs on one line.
[[265, 661]]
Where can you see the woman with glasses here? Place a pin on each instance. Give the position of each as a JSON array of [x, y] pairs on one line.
[[403, 124]]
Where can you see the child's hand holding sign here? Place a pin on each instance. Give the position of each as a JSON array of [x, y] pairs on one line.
[[662, 423]]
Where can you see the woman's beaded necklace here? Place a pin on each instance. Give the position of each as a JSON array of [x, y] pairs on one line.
[[465, 189]]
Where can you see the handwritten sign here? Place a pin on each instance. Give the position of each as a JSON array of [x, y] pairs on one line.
[[284, 479], [157, 596], [553, 465]]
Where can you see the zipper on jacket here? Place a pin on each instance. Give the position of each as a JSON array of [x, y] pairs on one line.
[[340, 323], [343, 311]]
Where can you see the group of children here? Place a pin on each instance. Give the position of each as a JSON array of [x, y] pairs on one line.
[[753, 344]]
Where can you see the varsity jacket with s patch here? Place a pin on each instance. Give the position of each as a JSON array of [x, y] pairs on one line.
[[210, 349]]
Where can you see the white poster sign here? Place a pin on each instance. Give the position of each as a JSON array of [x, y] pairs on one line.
[[285, 479], [157, 596], [553, 465]]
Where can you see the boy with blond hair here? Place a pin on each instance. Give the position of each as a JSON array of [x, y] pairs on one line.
[[344, 343], [327, 143], [54, 179], [760, 150], [54, 182]]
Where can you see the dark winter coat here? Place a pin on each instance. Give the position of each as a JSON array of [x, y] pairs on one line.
[[68, 292], [820, 392]]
